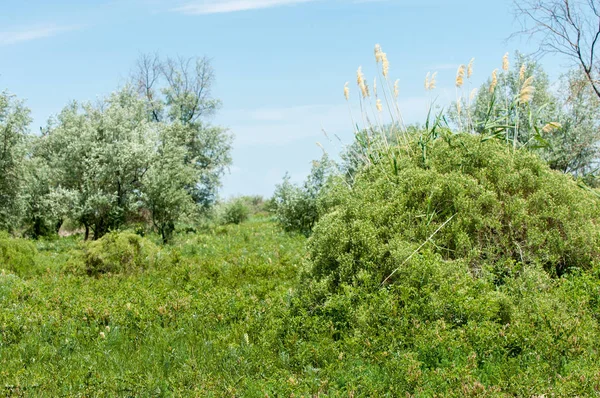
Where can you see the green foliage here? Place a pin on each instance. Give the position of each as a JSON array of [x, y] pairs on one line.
[[297, 207], [235, 212], [17, 255], [178, 93], [14, 123], [502, 207], [120, 252], [561, 125], [574, 145], [228, 317]]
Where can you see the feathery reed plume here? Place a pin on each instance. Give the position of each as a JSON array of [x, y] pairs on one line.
[[505, 63], [551, 127], [346, 91], [459, 106], [470, 68], [430, 81], [385, 64], [397, 88], [527, 90], [375, 86], [522, 72], [494, 81], [377, 53], [460, 76], [360, 80], [379, 106], [473, 94]]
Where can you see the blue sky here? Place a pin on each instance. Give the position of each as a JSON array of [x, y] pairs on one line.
[[280, 64]]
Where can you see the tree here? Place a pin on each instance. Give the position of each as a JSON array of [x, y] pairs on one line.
[[163, 190], [568, 27], [178, 92], [574, 145], [101, 152], [14, 124]]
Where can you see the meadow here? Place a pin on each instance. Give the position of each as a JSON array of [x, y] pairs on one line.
[[460, 257]]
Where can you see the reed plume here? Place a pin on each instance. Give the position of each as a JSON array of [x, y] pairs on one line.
[[494, 81], [460, 76]]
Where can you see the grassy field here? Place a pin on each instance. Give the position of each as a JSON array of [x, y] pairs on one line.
[[224, 314], [188, 329]]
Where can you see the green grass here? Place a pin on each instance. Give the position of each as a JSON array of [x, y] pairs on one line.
[[225, 316], [186, 329]]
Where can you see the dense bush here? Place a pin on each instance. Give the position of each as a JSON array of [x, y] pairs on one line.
[[235, 212], [120, 252], [474, 309], [17, 255], [504, 208]]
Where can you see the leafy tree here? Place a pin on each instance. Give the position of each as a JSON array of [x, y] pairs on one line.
[[14, 123], [164, 184], [178, 92], [101, 152], [574, 145]]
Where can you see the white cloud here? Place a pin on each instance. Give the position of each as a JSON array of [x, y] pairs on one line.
[[27, 34], [224, 6]]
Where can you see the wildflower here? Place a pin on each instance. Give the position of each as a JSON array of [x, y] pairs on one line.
[[102, 335]]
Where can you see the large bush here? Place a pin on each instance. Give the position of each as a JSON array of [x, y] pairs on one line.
[[502, 207]]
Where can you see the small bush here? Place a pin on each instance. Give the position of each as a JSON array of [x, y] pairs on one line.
[[235, 212], [120, 252], [297, 207], [17, 255]]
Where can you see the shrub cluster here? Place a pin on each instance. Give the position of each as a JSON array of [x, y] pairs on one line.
[[120, 252], [500, 208], [17, 255]]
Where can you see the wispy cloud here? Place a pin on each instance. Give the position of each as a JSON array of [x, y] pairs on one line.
[[15, 36], [224, 6]]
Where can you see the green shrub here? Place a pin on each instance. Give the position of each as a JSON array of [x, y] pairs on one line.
[[297, 207], [501, 208], [120, 252], [235, 212], [17, 255]]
